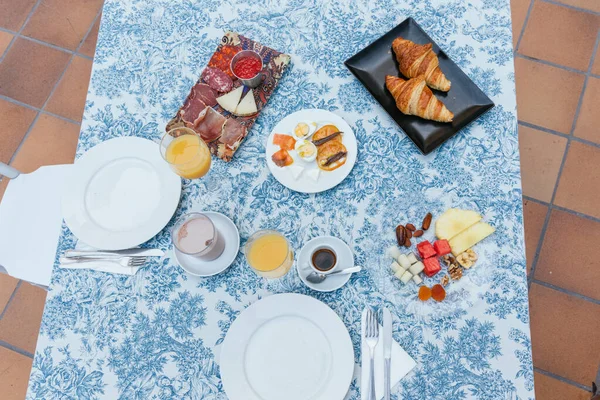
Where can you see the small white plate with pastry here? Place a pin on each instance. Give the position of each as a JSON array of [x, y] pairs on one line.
[[311, 151]]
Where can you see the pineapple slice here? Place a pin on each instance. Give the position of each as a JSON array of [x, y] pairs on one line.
[[470, 236], [454, 221]]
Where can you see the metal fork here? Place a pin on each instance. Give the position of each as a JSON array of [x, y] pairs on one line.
[[124, 261], [371, 337]]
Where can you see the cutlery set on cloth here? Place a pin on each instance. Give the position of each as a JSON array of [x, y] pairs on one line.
[[126, 262], [384, 362]]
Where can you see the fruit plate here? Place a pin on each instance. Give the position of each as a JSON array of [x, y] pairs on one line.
[[465, 99]]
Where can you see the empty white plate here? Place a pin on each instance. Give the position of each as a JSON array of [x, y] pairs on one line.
[[228, 230], [327, 179], [121, 194], [287, 346]]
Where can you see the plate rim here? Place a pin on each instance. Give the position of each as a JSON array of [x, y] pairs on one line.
[[277, 299], [353, 158], [100, 155], [350, 63]]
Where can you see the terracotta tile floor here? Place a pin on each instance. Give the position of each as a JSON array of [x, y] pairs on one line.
[[558, 93]]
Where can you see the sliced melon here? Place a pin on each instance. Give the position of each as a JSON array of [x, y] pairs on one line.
[[230, 101], [470, 237], [247, 106], [454, 221]]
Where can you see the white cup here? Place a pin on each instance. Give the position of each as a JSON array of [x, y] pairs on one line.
[[323, 249]]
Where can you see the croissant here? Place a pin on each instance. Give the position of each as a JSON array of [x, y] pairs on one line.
[[413, 97], [419, 59]]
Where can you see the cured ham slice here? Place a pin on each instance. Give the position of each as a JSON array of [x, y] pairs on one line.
[[282, 158], [286, 142], [200, 96], [191, 109], [217, 79], [205, 93], [233, 132], [209, 124]]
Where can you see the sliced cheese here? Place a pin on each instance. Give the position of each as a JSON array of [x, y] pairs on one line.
[[392, 251], [230, 101], [403, 261], [296, 171], [247, 106], [314, 174], [417, 268], [411, 258], [406, 276]]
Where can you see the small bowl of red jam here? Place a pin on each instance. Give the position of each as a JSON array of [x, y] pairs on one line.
[[247, 66]]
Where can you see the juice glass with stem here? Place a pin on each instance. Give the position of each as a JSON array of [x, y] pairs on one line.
[[269, 254], [186, 153]]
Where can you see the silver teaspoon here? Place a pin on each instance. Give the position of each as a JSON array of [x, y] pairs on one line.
[[315, 277]]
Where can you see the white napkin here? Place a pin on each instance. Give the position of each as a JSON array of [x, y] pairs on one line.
[[102, 266], [402, 363]]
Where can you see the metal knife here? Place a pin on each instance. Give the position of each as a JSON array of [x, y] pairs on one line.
[[387, 352], [114, 253]]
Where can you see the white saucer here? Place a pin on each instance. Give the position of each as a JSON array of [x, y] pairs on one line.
[[345, 260], [194, 266]]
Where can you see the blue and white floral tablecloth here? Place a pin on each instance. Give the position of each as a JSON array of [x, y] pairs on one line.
[[156, 335]]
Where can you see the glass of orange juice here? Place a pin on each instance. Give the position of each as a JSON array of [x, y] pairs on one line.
[[186, 153], [269, 254]]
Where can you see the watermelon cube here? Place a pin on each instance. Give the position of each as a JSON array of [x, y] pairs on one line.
[[425, 249], [432, 266], [442, 247]]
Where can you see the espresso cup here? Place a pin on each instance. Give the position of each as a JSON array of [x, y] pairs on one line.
[[323, 259]]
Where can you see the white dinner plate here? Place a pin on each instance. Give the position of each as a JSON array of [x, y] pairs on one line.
[[121, 194], [229, 233], [287, 346], [327, 179]]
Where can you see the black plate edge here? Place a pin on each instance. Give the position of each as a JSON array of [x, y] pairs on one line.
[[485, 107]]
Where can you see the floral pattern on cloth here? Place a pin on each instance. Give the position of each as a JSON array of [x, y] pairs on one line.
[[157, 335]]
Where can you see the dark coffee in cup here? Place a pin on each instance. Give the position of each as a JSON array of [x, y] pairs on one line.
[[324, 259]]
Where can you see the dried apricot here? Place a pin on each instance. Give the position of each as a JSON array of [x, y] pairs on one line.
[[424, 293], [438, 292]]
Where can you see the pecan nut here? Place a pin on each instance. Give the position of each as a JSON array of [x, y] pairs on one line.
[[400, 235], [426, 222]]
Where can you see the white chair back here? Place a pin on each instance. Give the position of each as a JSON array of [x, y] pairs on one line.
[[30, 221]]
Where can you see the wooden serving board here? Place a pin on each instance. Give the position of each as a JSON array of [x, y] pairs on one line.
[[275, 64]]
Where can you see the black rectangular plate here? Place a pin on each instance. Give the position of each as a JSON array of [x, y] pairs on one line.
[[465, 99]]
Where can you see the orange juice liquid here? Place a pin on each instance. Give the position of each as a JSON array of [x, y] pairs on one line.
[[189, 156], [270, 255]]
